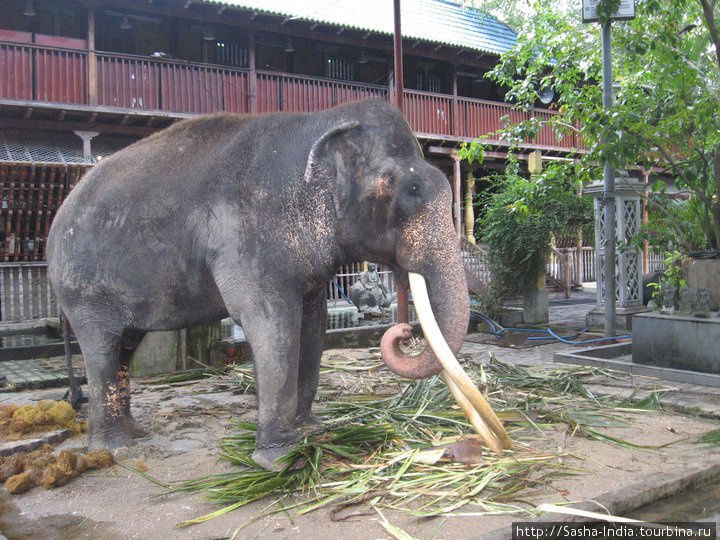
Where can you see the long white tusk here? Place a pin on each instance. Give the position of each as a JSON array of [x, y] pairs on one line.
[[453, 369], [473, 416]]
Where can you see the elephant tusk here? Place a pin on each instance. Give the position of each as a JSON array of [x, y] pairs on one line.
[[473, 416], [452, 369]]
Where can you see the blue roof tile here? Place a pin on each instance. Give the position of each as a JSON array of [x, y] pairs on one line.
[[438, 21]]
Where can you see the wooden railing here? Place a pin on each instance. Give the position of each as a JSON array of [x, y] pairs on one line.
[[429, 113], [25, 292], [299, 93], [30, 72], [42, 73], [139, 83]]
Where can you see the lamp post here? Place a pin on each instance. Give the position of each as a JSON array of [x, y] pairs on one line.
[[625, 10]]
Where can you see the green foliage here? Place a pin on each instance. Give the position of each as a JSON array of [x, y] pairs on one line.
[[519, 219], [605, 9], [676, 222], [673, 274], [667, 109]]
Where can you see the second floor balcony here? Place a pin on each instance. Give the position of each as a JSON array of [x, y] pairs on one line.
[[75, 78]]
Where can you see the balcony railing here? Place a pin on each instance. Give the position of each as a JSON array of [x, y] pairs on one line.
[[30, 72]]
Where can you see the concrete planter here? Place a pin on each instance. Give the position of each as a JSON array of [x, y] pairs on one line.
[[677, 342]]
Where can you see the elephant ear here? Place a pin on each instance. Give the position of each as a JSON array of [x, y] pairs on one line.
[[336, 156]]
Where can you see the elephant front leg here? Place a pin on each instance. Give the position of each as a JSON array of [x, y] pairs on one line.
[[272, 325], [314, 325]]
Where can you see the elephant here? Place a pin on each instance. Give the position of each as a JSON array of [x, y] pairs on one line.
[[249, 217]]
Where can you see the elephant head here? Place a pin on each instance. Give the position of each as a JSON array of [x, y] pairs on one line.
[[393, 207]]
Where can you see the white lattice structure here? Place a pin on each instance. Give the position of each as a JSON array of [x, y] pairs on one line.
[[628, 259]]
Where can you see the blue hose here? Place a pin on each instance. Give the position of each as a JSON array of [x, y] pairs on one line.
[[499, 331], [342, 293]]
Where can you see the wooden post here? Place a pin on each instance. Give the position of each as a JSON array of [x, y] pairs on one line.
[[456, 194], [403, 313], [580, 267], [455, 119], [252, 76], [567, 276], [398, 58], [469, 210], [645, 218], [91, 59]]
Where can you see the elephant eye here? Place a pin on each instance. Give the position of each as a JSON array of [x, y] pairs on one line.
[[414, 188]]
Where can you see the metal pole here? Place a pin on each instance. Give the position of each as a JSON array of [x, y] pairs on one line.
[[403, 314], [608, 194], [398, 59]]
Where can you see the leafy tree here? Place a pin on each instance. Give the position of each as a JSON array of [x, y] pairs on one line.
[[519, 218], [667, 108]]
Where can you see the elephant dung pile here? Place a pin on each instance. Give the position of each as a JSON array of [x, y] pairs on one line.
[[17, 422], [22, 471]]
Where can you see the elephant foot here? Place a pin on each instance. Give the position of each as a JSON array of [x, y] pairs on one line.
[[135, 430], [268, 458], [110, 440], [309, 423]]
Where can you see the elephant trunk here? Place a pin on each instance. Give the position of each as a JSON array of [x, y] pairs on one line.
[[450, 307]]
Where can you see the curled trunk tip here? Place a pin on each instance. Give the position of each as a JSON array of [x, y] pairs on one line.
[[411, 367]]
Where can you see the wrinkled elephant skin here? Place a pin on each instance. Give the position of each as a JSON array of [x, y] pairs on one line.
[[249, 217]]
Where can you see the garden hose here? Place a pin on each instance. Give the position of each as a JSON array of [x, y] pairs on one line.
[[499, 331]]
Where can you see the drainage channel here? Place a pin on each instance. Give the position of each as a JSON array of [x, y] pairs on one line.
[[701, 503]]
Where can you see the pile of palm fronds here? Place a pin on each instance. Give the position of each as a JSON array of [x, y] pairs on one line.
[[410, 451]]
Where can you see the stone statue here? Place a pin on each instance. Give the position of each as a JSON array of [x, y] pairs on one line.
[[668, 305], [685, 301], [369, 294], [702, 305]]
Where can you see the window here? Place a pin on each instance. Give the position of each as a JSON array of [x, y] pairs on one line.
[[339, 68], [231, 54]]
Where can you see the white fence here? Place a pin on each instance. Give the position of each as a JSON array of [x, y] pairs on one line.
[[568, 269], [25, 292]]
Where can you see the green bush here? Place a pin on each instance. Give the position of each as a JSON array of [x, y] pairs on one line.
[[517, 222]]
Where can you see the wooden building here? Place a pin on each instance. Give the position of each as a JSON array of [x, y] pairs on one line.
[[80, 79]]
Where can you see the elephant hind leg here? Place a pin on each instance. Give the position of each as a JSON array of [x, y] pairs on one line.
[[101, 351], [128, 345]]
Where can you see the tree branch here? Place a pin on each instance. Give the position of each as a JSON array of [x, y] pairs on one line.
[[709, 13]]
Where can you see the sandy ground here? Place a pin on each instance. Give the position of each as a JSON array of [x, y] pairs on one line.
[[187, 420]]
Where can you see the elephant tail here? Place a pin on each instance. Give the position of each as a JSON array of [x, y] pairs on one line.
[[74, 395]]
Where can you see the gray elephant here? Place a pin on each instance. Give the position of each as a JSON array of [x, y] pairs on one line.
[[249, 217]]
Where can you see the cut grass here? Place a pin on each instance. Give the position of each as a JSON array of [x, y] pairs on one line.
[[383, 451]]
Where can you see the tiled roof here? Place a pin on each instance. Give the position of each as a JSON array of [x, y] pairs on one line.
[[438, 21]]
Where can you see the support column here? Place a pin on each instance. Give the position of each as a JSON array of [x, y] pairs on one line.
[[455, 108], [536, 302], [456, 194], [469, 210], [403, 311], [628, 262], [91, 59], [252, 75], [86, 137], [645, 218]]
